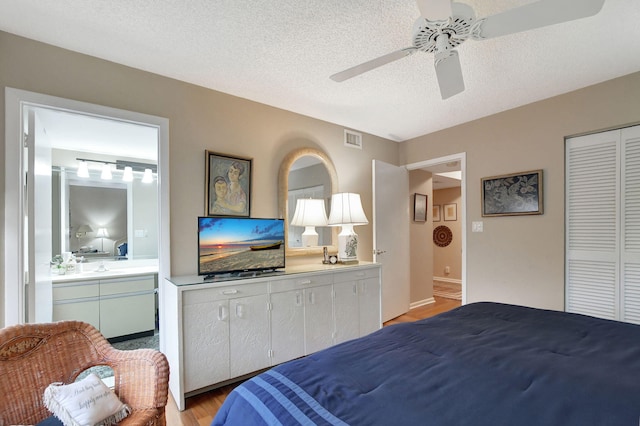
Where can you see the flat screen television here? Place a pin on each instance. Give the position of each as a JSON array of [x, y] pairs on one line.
[[233, 245]]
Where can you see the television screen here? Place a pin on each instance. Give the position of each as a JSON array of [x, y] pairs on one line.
[[227, 244]]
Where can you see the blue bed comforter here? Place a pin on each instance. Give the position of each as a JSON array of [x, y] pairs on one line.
[[480, 364]]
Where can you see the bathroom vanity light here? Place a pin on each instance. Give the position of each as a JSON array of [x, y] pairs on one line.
[[83, 169], [128, 169], [147, 177], [106, 172]]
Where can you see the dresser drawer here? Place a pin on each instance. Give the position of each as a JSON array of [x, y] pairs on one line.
[[126, 285], [296, 283], [193, 297], [360, 274], [76, 290]]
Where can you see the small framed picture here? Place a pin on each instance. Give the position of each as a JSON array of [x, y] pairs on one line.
[[436, 212], [419, 207], [228, 185], [450, 212]]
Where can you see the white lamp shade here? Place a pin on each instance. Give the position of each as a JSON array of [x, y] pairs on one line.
[[83, 169], [127, 176], [102, 233], [346, 209], [148, 176], [309, 212], [106, 172], [85, 228]]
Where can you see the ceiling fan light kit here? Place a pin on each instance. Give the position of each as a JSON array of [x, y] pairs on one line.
[[444, 25]]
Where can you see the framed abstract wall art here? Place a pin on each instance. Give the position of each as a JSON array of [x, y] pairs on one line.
[[228, 185], [513, 194]]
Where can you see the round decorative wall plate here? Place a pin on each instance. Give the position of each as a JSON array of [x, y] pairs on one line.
[[442, 236]]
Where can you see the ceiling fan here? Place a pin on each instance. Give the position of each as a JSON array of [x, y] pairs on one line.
[[444, 25]]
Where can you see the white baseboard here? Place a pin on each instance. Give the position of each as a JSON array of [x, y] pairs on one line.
[[447, 280], [423, 302]]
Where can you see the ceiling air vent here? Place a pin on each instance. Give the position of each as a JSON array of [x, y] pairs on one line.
[[352, 139]]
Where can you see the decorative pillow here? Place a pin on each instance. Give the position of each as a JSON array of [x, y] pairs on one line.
[[87, 402]]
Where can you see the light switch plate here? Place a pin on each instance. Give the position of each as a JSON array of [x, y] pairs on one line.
[[477, 226]]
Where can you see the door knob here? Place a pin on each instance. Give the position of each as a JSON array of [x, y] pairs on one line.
[[378, 251]]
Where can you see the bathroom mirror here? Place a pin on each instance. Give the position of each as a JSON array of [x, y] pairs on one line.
[[124, 211], [306, 173]]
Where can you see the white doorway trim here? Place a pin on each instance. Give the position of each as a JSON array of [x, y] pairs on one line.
[[15, 100], [462, 157]]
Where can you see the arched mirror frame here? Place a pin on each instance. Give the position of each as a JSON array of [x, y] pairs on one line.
[[283, 191]]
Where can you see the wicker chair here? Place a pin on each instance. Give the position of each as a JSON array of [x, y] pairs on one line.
[[32, 356]]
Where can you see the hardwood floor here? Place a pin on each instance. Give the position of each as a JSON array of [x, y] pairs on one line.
[[202, 408]]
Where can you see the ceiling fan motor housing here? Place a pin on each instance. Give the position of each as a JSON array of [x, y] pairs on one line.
[[442, 36]]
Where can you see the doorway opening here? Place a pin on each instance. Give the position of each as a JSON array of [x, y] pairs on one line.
[[448, 175], [45, 139]]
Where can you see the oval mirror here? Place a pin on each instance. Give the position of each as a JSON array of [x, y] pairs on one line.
[[306, 173]]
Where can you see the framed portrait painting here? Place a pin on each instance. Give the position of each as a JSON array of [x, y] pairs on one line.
[[228, 185]]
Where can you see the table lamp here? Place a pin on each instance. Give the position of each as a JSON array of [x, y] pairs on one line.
[[309, 213], [102, 234], [346, 211]]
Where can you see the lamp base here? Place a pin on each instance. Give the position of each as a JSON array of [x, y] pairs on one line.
[[347, 245], [309, 237]]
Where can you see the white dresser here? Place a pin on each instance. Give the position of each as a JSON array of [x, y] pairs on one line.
[[229, 328]]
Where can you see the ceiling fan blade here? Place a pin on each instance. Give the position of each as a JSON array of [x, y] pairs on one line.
[[536, 15], [372, 64], [449, 75], [435, 10]]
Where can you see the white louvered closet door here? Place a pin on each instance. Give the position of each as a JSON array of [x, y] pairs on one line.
[[603, 225], [630, 244]]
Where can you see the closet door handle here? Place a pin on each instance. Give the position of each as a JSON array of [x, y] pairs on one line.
[[312, 298], [298, 299], [239, 311], [228, 292]]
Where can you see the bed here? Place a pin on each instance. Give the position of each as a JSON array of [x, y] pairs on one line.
[[479, 364]]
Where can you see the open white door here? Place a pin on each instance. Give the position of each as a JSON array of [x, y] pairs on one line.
[[391, 236], [38, 220]]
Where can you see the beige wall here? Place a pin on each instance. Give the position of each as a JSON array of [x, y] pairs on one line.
[[520, 259], [450, 255], [421, 248], [516, 259], [199, 120]]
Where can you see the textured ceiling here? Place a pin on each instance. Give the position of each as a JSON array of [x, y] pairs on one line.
[[282, 52]]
